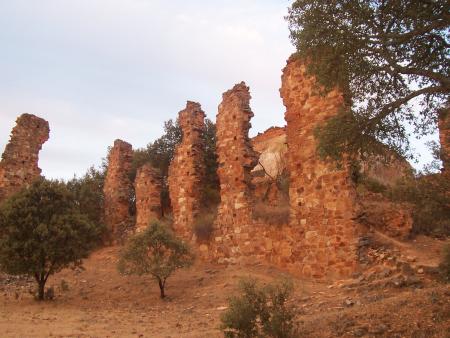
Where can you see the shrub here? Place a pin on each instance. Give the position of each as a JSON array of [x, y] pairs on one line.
[[204, 226], [260, 311], [157, 252], [444, 267]]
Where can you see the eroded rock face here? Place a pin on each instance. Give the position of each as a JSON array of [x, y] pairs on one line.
[[322, 198], [118, 187], [148, 188], [236, 156], [186, 170], [19, 164]]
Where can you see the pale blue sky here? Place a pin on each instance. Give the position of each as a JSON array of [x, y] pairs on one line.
[[98, 70]]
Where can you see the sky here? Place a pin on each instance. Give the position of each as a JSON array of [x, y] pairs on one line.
[[99, 70]]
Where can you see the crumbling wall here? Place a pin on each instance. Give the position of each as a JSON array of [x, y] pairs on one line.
[[236, 160], [186, 170], [322, 198], [147, 186], [19, 164], [118, 188]]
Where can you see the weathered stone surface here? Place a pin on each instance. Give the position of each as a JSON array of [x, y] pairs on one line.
[[444, 138], [19, 164], [147, 186], [186, 170], [236, 157], [322, 198], [118, 187]]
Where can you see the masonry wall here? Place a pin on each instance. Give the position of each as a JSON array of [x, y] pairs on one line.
[[19, 164], [236, 160], [147, 186], [322, 198], [186, 170], [118, 187]]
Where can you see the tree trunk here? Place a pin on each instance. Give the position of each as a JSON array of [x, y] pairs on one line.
[[161, 288], [41, 289]]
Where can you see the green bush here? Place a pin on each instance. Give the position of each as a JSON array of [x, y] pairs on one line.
[[260, 311], [444, 267]]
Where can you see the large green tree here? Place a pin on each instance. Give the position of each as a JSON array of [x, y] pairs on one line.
[[42, 231], [391, 59]]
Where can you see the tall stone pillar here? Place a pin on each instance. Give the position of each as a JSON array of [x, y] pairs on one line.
[[118, 187], [322, 198], [236, 160], [147, 186], [186, 170], [19, 164]]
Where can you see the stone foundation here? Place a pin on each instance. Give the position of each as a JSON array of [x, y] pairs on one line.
[[19, 164], [118, 187], [186, 170], [148, 187]]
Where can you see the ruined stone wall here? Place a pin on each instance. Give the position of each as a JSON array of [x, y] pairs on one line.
[[236, 160], [322, 198], [118, 187], [186, 170], [19, 164], [148, 188]]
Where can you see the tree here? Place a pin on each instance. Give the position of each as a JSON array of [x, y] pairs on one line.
[[155, 251], [88, 194], [389, 57], [43, 232]]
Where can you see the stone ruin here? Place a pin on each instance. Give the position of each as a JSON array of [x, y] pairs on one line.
[[19, 164], [148, 187], [186, 170], [118, 188], [322, 198], [236, 159]]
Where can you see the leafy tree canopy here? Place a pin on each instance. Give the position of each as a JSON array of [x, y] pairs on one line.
[[42, 231], [390, 58]]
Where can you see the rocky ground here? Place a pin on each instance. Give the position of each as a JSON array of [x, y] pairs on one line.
[[397, 295]]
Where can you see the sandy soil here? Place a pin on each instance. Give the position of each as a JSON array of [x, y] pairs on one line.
[[100, 302]]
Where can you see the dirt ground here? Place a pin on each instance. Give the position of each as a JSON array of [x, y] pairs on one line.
[[386, 300]]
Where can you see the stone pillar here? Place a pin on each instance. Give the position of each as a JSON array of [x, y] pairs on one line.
[[19, 164], [322, 198], [186, 170], [236, 159], [444, 138], [118, 188], [148, 188]]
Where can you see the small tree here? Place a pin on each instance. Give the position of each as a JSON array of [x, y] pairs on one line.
[[43, 232], [260, 311], [155, 251]]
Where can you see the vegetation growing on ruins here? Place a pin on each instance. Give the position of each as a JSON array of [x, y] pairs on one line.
[[260, 311], [387, 57], [157, 252], [43, 231]]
